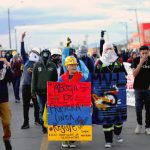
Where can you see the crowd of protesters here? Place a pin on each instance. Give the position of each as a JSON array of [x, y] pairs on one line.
[[39, 66]]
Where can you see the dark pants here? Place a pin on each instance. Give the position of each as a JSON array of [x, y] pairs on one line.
[[142, 98], [111, 129], [16, 87], [26, 96]]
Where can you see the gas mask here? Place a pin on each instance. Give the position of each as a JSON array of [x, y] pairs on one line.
[[45, 55]]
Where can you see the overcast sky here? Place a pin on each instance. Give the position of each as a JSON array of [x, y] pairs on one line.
[[49, 22]]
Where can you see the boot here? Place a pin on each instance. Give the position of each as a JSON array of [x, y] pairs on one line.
[[7, 145], [44, 129]]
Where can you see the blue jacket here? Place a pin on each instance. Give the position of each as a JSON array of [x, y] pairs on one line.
[[27, 77]]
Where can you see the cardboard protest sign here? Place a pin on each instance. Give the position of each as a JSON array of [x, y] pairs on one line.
[[69, 94], [69, 111], [69, 115], [70, 133], [109, 98]]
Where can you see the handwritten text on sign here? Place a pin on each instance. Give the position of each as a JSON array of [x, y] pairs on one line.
[[69, 94], [68, 132], [78, 115]]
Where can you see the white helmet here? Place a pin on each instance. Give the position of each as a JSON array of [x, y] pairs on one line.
[[36, 50], [56, 51]]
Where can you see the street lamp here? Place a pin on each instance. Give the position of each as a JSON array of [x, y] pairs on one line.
[[137, 23], [126, 27], [9, 24], [16, 38], [9, 28]]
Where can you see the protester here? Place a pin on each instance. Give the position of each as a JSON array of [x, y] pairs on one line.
[[5, 112], [82, 55], [94, 55], [43, 71], [17, 72], [8, 56], [133, 56], [141, 72], [71, 75], [56, 56], [34, 56], [109, 64]]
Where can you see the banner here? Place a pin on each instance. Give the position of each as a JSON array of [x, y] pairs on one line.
[[109, 98], [69, 111], [130, 80]]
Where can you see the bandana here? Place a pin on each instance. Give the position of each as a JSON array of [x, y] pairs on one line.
[[108, 57]]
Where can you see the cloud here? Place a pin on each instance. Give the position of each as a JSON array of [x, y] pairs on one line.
[[57, 19]]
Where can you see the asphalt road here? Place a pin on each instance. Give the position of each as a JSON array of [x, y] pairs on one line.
[[33, 138]]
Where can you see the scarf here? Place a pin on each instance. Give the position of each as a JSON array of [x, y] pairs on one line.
[[76, 77]]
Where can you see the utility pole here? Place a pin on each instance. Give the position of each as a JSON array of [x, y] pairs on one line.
[[137, 23], [9, 28]]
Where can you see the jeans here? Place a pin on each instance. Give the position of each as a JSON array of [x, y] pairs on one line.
[[16, 86], [41, 101], [26, 97], [142, 98], [5, 115]]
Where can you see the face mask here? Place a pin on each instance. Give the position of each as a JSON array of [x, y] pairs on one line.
[[108, 57], [34, 57], [108, 53]]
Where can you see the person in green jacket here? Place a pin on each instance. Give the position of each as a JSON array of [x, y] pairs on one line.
[[43, 71]]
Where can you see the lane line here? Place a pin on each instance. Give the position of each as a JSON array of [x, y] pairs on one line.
[[44, 143]]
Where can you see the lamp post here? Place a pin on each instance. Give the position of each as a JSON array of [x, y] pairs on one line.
[[9, 24], [9, 28], [16, 38], [137, 22], [126, 27]]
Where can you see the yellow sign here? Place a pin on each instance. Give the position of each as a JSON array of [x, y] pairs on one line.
[[69, 133]]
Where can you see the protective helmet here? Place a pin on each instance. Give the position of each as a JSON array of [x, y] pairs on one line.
[[70, 60], [56, 51], [14, 53], [36, 50]]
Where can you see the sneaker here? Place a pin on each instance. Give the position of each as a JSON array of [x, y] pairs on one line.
[[17, 101], [31, 104], [72, 144], [65, 144], [119, 139], [147, 131], [37, 123], [138, 129], [7, 145], [108, 145], [25, 126]]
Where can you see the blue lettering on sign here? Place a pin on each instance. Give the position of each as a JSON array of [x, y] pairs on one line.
[[78, 115]]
